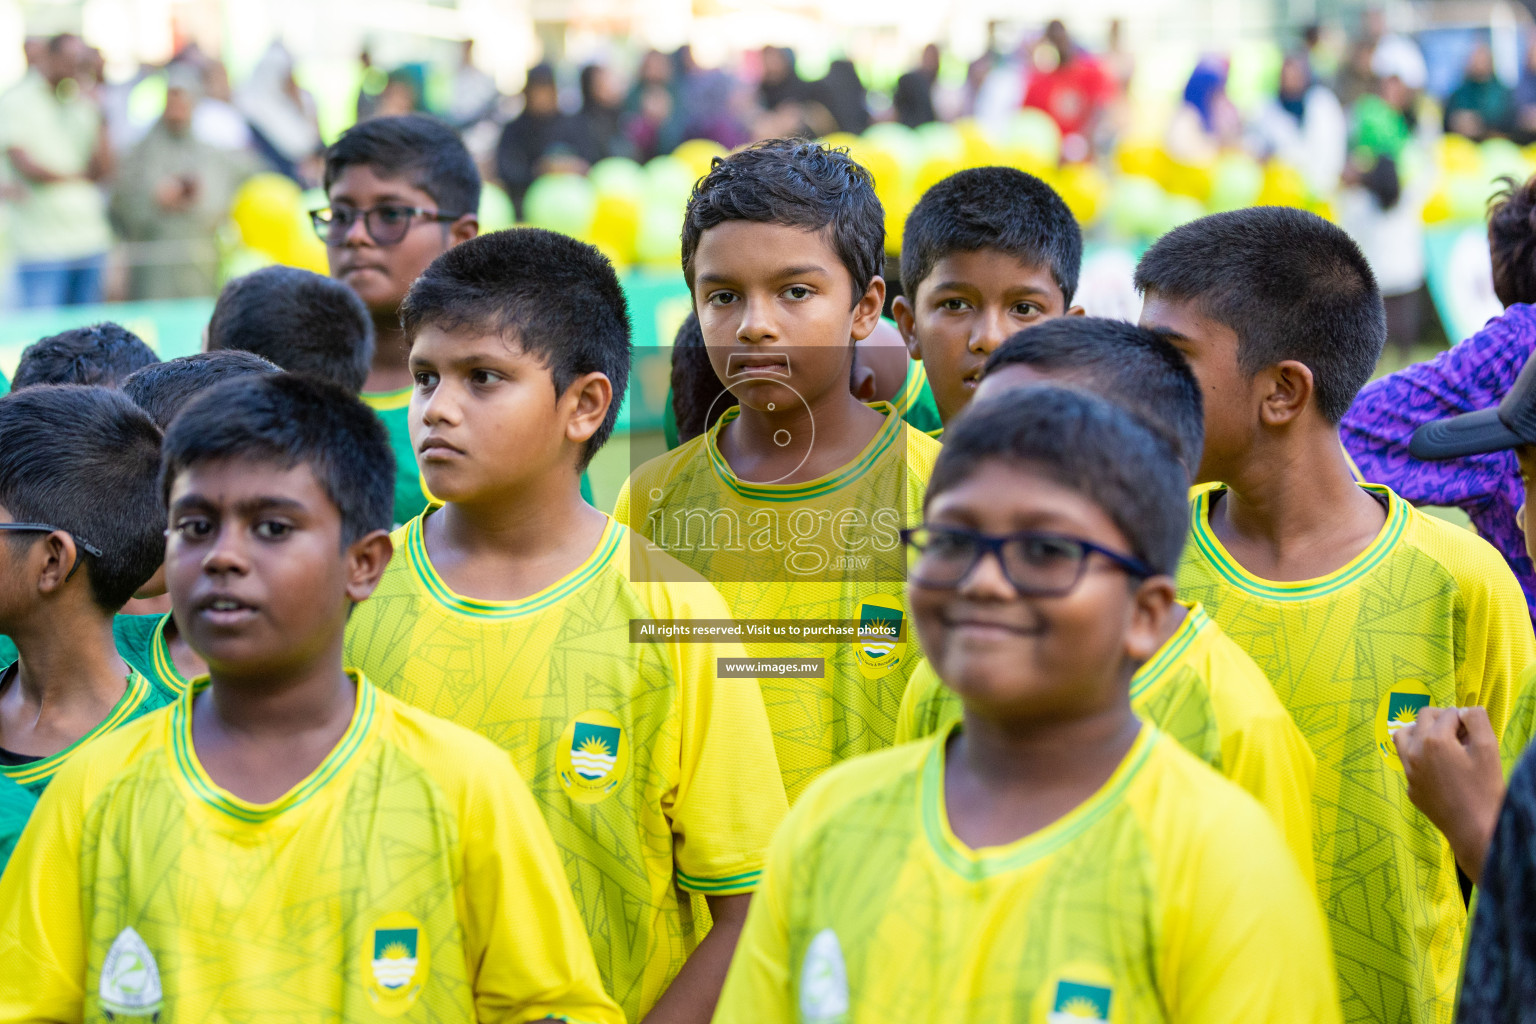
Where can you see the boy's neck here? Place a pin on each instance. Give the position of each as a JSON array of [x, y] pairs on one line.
[[838, 424], [68, 677], [1008, 780], [510, 547], [1295, 512], [391, 357]]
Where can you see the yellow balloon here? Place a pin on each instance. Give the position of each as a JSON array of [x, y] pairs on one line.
[[698, 154], [265, 209], [892, 179], [1438, 208], [841, 140], [1283, 186], [1084, 188], [933, 170], [1141, 158], [1459, 155], [616, 227], [1023, 159], [979, 150]]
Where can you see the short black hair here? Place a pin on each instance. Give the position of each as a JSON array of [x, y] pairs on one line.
[[1129, 365], [996, 208], [557, 298], [102, 354], [417, 147], [698, 396], [1085, 443], [300, 320], [1288, 283], [799, 184], [1512, 240], [292, 420], [87, 460], [161, 389]]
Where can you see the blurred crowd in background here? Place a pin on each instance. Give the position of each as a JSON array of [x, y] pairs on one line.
[[132, 189]]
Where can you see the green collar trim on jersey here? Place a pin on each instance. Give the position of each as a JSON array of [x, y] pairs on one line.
[[1168, 655], [416, 554], [243, 810], [165, 668], [387, 401], [887, 436], [1213, 551], [137, 691], [917, 377], [976, 865]]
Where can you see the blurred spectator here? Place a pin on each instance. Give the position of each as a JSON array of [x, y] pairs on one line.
[[781, 83], [843, 96], [711, 104], [56, 142], [1072, 87], [172, 193], [650, 105], [1355, 78], [1118, 62], [1206, 122], [1395, 51], [284, 124], [1303, 126], [541, 139], [399, 98], [1524, 98], [473, 96], [1481, 105], [602, 111], [216, 122], [913, 98]]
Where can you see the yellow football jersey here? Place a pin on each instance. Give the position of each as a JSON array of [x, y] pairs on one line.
[[1205, 693], [1522, 722], [825, 550], [1428, 614], [656, 777], [1166, 896], [139, 698], [408, 876]]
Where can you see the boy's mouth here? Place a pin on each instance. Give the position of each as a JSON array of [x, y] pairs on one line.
[[223, 610], [989, 626], [437, 448], [757, 364]]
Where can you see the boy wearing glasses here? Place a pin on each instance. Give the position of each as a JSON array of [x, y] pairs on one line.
[[83, 529], [1360, 609], [1199, 688], [402, 191], [1050, 856]]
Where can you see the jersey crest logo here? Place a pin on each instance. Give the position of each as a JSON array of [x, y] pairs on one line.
[[130, 979], [1399, 708], [880, 647], [397, 962], [824, 981], [1076, 1002], [593, 756]]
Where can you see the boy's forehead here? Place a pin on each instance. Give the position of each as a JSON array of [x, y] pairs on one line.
[[990, 268], [763, 248], [365, 185], [439, 343], [244, 478]]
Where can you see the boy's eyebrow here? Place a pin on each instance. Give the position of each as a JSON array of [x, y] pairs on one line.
[[245, 506], [1020, 289], [1168, 334], [798, 271]]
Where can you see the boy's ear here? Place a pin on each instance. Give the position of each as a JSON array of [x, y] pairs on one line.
[[1287, 391], [366, 559], [1076, 311], [1154, 599], [585, 404], [905, 315], [463, 229], [54, 558], [866, 312], [865, 387]]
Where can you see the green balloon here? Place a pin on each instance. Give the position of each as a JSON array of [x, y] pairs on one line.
[[618, 176], [561, 202], [496, 211], [1177, 211], [1033, 131], [1137, 207], [1502, 158], [658, 243], [896, 139], [668, 182], [937, 139], [1236, 183]]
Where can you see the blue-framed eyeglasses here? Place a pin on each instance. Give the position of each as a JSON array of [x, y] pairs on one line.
[[1037, 564]]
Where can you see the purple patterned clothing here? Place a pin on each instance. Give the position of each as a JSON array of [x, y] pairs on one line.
[[1473, 375]]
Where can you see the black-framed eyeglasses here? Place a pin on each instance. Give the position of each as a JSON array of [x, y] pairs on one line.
[[1037, 564], [386, 224], [80, 542]]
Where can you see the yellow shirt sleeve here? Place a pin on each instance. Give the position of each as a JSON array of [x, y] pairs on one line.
[[527, 949], [42, 940], [1234, 950], [729, 799], [924, 695], [1521, 725], [1264, 752], [757, 987], [1495, 621]]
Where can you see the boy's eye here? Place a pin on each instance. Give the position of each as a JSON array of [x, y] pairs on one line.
[[483, 377], [798, 291], [953, 305], [1025, 309], [424, 379], [271, 529], [721, 298], [193, 528], [391, 215]]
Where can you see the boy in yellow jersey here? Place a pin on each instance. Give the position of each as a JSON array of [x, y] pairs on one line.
[[792, 501], [83, 529], [336, 854], [1360, 609], [1050, 857], [1199, 688], [402, 191], [985, 253], [151, 643], [509, 610]]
